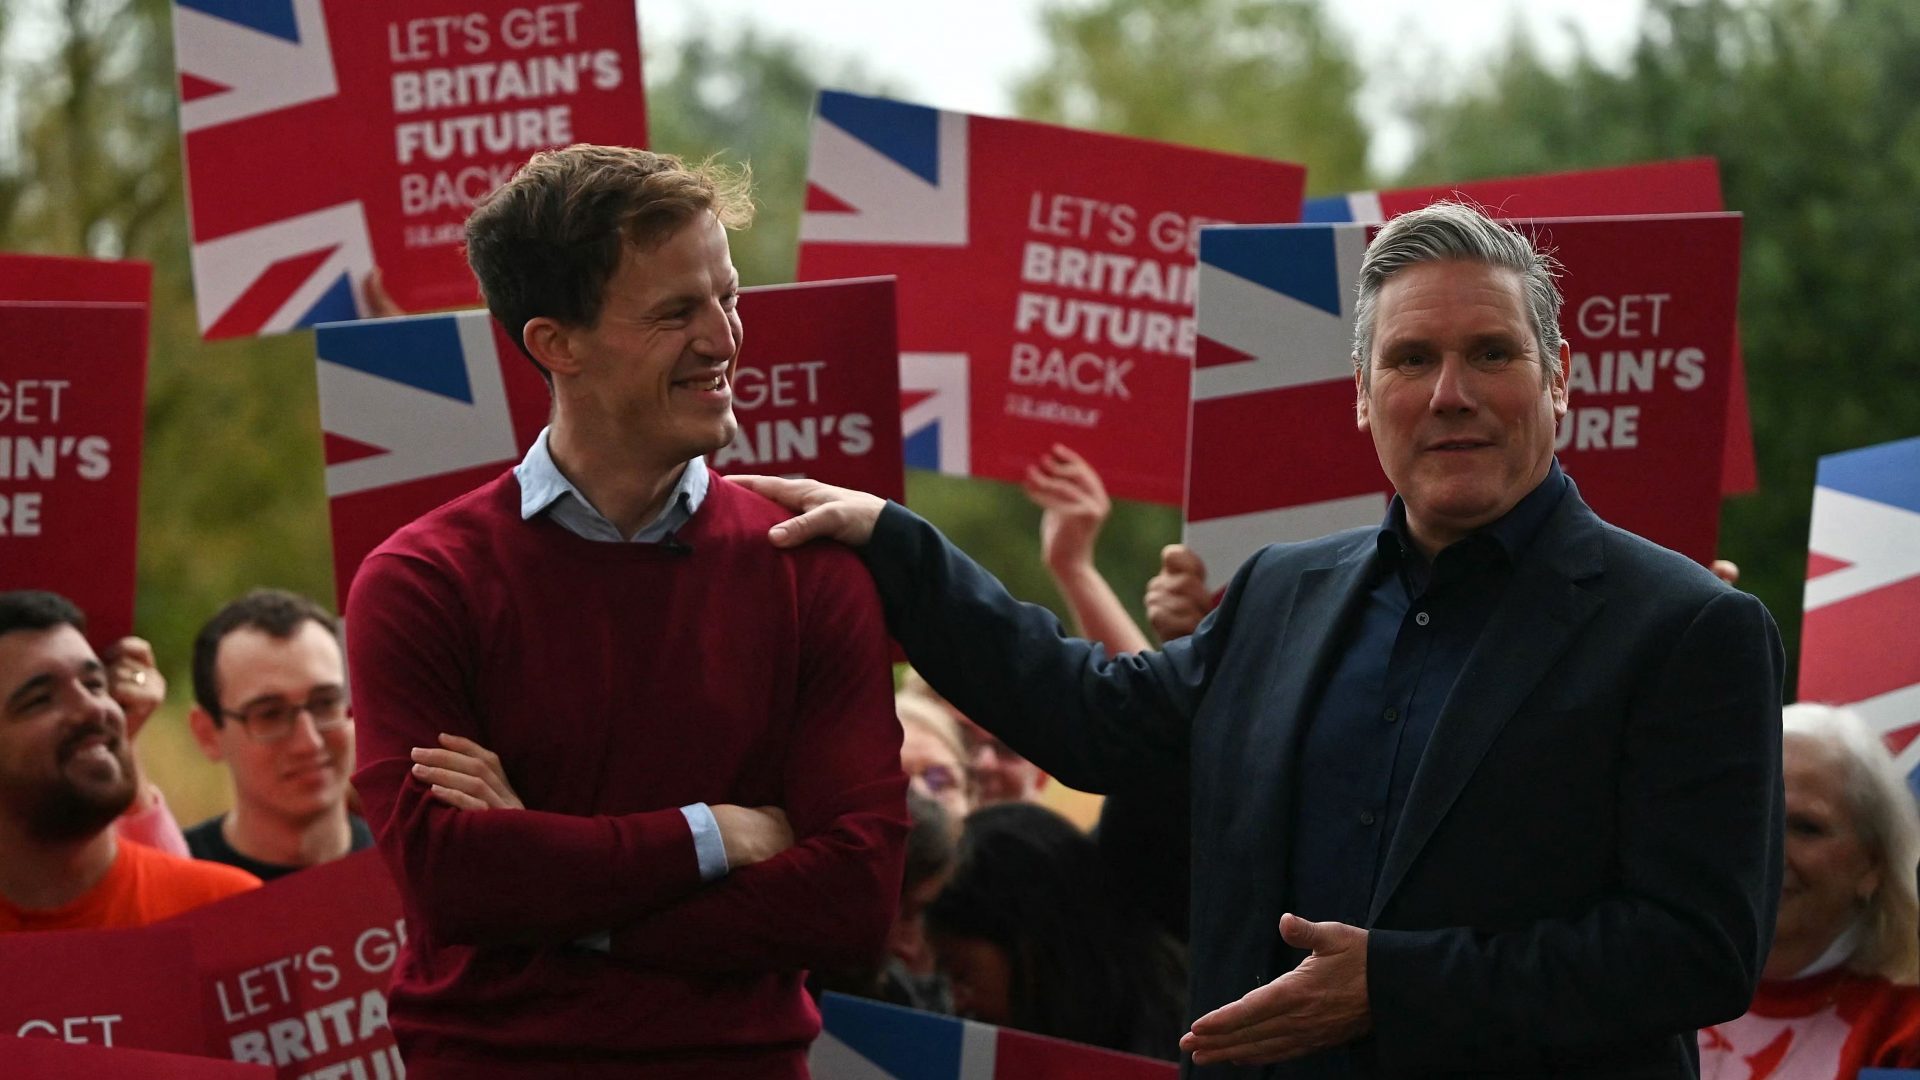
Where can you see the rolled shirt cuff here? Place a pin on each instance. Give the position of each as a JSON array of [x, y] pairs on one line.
[[707, 845]]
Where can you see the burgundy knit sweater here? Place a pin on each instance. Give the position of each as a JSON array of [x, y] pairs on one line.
[[618, 682]]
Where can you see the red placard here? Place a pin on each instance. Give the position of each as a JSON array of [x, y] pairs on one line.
[[1045, 278], [1684, 186], [294, 974], [72, 397], [118, 988], [1650, 305], [327, 137], [817, 392], [419, 410], [61, 277], [45, 1059]]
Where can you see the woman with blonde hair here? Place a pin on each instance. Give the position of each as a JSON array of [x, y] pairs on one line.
[[1838, 992]]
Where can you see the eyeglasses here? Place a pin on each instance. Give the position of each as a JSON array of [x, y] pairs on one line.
[[940, 779], [273, 719]]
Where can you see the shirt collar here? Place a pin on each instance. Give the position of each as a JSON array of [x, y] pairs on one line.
[[542, 484], [1509, 534]]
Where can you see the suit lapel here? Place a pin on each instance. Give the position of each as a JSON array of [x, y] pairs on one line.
[[1536, 620]]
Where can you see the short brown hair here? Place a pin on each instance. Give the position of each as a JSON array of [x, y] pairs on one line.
[[546, 243], [277, 613]]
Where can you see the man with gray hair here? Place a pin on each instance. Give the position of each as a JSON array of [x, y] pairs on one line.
[[1490, 789]]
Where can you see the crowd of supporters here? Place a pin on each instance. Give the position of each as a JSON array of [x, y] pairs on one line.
[[1008, 913]]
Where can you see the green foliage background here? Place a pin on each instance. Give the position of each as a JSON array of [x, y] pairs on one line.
[[1808, 104]]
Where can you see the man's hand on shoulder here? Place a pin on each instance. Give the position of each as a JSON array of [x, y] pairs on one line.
[[465, 775], [752, 834], [1321, 1003], [822, 511]]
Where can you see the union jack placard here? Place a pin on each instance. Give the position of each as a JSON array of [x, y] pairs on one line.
[[1045, 278], [1863, 587], [419, 410], [327, 138], [1683, 186], [868, 1040], [1278, 454]]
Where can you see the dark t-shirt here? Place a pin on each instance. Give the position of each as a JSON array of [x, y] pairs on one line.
[[206, 841]]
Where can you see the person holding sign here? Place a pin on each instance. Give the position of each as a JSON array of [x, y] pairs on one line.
[[66, 775], [690, 789], [1491, 789]]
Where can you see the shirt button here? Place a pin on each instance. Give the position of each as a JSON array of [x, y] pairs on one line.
[[1366, 817], [1390, 715], [1422, 619]]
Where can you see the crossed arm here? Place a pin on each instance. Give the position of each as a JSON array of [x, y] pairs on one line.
[[818, 900]]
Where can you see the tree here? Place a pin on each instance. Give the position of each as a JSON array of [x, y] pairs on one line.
[[1268, 78], [1809, 105]]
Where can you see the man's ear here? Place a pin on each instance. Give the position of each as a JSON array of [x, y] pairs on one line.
[[1559, 389], [1359, 394], [206, 733], [550, 344]]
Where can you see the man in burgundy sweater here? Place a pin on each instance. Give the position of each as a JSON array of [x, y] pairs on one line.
[[701, 728]]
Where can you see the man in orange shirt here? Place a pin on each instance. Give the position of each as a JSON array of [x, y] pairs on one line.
[[65, 774]]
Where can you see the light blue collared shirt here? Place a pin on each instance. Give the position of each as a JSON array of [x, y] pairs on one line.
[[544, 488]]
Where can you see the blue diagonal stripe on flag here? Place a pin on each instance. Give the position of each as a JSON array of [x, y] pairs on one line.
[[908, 134], [274, 17]]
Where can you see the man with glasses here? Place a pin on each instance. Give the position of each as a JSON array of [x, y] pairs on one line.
[[270, 700], [66, 773]]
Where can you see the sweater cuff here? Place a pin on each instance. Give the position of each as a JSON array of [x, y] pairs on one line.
[[707, 844]]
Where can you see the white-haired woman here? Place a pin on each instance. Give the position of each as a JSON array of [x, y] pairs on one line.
[[1837, 994]]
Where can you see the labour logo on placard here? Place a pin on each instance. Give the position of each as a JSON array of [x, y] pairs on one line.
[[242, 61], [325, 138], [1045, 279], [1863, 586]]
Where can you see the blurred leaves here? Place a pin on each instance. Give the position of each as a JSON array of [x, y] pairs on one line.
[[1268, 78]]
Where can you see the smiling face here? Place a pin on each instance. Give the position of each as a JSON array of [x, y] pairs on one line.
[[1829, 871], [304, 774], [1460, 407], [66, 770], [658, 364]]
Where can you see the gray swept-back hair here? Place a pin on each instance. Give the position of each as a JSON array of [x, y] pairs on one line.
[[1447, 231], [1885, 820]]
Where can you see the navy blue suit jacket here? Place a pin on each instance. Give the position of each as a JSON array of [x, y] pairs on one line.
[[1589, 861]]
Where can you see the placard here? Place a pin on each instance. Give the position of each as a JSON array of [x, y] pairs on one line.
[[72, 412], [1649, 311], [64, 277], [324, 138], [1863, 587], [422, 409], [817, 392], [109, 988], [294, 974], [869, 1040], [1046, 278], [1683, 186], [45, 1059]]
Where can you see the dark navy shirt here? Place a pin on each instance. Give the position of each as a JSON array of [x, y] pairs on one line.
[[1402, 652]]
